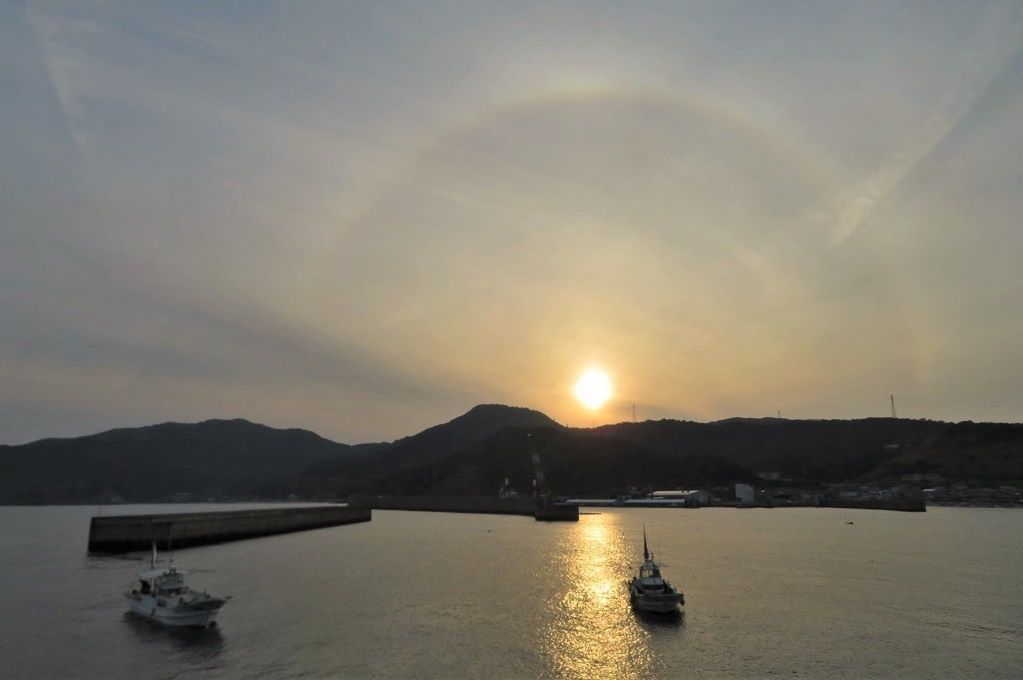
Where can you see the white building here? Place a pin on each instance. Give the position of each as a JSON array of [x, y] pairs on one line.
[[691, 496], [744, 494]]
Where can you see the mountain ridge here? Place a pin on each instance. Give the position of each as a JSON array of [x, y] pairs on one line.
[[233, 459]]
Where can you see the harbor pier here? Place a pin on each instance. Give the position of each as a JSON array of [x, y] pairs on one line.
[[125, 533], [527, 506]]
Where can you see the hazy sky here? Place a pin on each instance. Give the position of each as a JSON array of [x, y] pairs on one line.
[[364, 218]]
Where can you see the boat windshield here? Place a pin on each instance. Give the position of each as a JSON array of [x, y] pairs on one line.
[[647, 571], [169, 581]]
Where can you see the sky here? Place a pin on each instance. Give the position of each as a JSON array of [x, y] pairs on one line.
[[364, 218]]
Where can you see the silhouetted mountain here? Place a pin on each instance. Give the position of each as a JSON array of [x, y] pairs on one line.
[[813, 450], [476, 451], [574, 462], [669, 453], [215, 458], [368, 471], [477, 424], [980, 452]]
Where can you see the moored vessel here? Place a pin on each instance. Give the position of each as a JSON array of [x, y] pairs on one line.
[[651, 592]]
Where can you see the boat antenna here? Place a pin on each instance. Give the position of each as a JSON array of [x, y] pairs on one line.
[[152, 541], [170, 553]]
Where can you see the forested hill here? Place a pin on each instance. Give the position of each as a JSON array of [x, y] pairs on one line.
[[672, 454], [211, 459], [227, 460], [473, 453], [843, 450], [413, 458], [817, 450]]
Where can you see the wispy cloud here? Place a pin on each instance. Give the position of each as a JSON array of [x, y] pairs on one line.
[[65, 43], [998, 37], [363, 219]]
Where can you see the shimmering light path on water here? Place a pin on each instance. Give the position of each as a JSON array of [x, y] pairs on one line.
[[769, 593]]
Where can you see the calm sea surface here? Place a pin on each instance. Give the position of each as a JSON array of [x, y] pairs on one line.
[[769, 593]]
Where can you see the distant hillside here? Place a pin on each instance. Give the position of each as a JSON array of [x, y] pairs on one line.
[[475, 425], [574, 462], [817, 450], [376, 468], [981, 452], [474, 452], [669, 453], [842, 450], [215, 458]]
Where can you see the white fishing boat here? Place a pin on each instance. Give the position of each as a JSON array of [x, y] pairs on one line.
[[649, 591], [162, 596]]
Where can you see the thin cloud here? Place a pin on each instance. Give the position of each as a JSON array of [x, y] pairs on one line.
[[998, 38], [362, 220]]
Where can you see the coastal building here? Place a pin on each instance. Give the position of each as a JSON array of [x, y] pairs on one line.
[[691, 497], [506, 490], [744, 494]]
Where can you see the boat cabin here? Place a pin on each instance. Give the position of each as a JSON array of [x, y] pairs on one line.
[[649, 570], [169, 582], [650, 579]]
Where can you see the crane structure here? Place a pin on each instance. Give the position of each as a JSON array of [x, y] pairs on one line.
[[545, 509]]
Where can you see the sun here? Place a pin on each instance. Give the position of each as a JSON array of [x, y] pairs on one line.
[[593, 388]]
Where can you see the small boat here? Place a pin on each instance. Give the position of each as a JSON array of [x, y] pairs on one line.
[[162, 596], [649, 591]]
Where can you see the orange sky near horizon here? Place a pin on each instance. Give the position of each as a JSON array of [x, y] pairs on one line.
[[364, 221]]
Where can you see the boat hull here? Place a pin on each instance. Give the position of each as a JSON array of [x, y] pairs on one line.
[[658, 605], [188, 617], [661, 603]]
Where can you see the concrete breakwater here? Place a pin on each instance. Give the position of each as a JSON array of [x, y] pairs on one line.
[[491, 505], [906, 504], [125, 533], [909, 504]]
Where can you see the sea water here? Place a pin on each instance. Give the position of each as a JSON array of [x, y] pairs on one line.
[[801, 592]]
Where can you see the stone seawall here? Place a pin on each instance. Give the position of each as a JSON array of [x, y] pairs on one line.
[[137, 532], [899, 504], [514, 505]]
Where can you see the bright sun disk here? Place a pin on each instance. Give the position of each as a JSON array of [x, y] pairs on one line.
[[593, 388]]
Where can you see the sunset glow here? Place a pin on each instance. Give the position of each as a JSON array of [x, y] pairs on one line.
[[593, 388], [268, 213]]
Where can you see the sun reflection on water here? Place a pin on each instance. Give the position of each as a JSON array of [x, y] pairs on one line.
[[591, 630]]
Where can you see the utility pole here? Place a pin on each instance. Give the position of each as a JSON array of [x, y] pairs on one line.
[[892, 398], [633, 413]]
